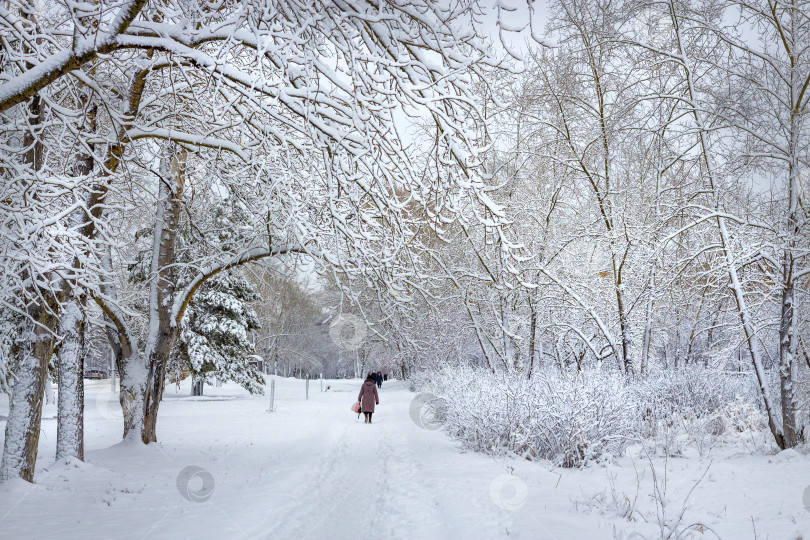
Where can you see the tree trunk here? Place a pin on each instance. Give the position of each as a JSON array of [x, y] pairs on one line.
[[70, 426], [645, 346], [25, 402], [156, 383], [693, 332], [197, 385], [558, 354], [129, 362], [788, 372], [788, 340], [788, 348], [131, 395], [621, 307], [532, 337], [508, 355], [774, 422], [163, 330]]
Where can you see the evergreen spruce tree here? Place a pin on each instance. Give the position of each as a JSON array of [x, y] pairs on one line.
[[214, 337]]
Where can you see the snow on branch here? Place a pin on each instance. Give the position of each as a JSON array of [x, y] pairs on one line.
[[183, 297], [62, 62]]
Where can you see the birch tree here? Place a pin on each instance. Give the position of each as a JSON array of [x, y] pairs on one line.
[[771, 81]]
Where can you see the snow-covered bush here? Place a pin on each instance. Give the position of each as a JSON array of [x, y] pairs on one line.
[[568, 418], [572, 418], [741, 415], [695, 398]]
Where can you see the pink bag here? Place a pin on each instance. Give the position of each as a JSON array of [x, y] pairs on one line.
[[356, 407]]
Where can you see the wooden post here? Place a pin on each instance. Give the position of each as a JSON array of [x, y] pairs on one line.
[[307, 386], [272, 395], [321, 382]]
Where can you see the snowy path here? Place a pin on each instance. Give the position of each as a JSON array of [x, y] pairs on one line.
[[383, 477], [309, 470], [312, 470]]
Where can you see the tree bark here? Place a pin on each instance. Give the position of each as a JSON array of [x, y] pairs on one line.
[[532, 337], [788, 340], [197, 385], [25, 403], [128, 360], [647, 339], [70, 415], [163, 330]]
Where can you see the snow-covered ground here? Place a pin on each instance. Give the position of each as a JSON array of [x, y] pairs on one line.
[[227, 468]]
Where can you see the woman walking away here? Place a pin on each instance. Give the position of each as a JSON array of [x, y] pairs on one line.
[[368, 397]]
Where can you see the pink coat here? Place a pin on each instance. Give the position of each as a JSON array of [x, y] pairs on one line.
[[368, 396]]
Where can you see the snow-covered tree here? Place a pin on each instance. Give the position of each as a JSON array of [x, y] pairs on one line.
[[214, 339], [317, 132]]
